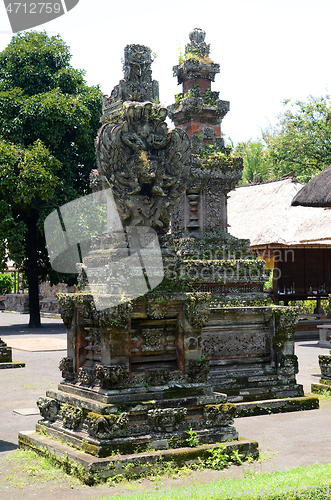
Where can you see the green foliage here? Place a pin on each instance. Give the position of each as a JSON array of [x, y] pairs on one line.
[[256, 160], [302, 138], [49, 118], [192, 440], [6, 283]]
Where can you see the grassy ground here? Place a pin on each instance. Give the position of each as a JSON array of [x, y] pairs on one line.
[[25, 471]]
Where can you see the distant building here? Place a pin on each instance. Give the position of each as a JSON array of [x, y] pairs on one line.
[[294, 241]]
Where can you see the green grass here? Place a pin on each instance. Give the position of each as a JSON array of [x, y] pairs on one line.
[[24, 468], [313, 482]]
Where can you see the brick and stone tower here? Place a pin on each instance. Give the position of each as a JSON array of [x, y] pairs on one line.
[[214, 170], [198, 110]]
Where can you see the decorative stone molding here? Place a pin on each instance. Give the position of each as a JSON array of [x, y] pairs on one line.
[[49, 408], [197, 309], [106, 426], [66, 366], [87, 375], [157, 377], [166, 419], [288, 365], [72, 416], [197, 370], [111, 377], [219, 415]]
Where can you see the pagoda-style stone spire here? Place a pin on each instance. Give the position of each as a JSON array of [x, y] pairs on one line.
[[214, 171], [198, 110]]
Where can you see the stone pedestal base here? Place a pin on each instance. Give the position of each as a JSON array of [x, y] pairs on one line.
[[90, 468], [130, 422]]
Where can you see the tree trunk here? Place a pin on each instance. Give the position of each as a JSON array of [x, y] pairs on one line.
[[33, 277]]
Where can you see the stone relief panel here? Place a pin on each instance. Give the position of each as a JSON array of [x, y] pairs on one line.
[[234, 345]]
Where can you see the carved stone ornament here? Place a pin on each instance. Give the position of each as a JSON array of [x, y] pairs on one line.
[[197, 309], [219, 415], [167, 419], [86, 375], [155, 310], [105, 426], [288, 365], [72, 416], [157, 377], [197, 371], [48, 408], [145, 164], [111, 377], [66, 366]]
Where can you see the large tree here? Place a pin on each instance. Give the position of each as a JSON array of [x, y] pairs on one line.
[[49, 118], [301, 141]]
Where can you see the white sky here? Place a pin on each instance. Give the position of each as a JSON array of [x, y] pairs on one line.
[[267, 50]]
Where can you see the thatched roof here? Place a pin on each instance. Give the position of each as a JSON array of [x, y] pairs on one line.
[[263, 214], [317, 193]]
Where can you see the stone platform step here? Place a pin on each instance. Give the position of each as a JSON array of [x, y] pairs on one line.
[[90, 468], [12, 364], [266, 407], [261, 393]]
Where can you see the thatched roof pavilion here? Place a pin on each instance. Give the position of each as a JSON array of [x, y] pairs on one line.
[[263, 214], [294, 240], [316, 193]]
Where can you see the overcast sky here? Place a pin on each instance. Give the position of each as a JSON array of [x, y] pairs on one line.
[[268, 50]]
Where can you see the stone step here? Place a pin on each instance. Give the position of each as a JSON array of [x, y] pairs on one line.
[[262, 393], [265, 407], [91, 467]]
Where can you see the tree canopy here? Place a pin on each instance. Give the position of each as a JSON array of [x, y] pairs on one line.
[[49, 118], [300, 141]]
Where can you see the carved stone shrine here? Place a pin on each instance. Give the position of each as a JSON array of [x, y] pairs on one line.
[[135, 376]]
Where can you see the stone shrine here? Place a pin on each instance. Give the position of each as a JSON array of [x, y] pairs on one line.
[[250, 346], [135, 376]]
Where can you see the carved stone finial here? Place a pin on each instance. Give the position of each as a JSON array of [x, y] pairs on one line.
[[198, 45], [197, 35], [137, 84]]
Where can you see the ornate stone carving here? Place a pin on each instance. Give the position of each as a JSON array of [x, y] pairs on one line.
[[197, 309], [111, 377], [66, 366], [106, 426], [155, 310], [137, 84], [166, 419], [145, 164], [288, 365], [157, 377], [48, 408], [219, 415], [197, 371], [235, 344], [72, 416], [153, 339], [86, 375], [66, 309]]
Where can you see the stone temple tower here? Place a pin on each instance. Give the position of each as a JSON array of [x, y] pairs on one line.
[[214, 172]]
